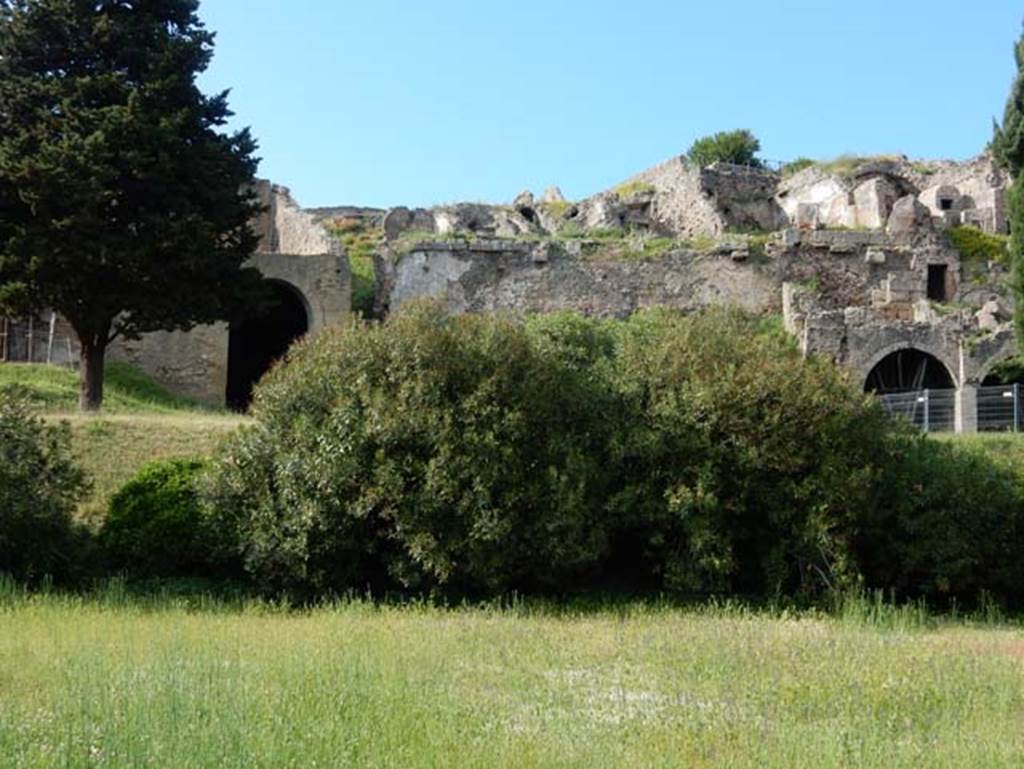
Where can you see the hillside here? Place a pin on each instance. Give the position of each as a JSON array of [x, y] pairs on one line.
[[141, 422]]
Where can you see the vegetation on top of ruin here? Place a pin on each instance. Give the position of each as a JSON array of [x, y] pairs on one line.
[[739, 147], [634, 189], [607, 243], [845, 166], [556, 208], [796, 166], [977, 246], [360, 239], [408, 241]]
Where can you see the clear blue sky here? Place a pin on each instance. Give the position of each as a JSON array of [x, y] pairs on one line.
[[387, 102]]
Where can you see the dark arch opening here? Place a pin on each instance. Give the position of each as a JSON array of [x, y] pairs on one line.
[[1006, 372], [908, 370], [257, 341]]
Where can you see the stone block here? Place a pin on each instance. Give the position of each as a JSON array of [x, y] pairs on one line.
[[808, 216], [874, 256], [909, 215]]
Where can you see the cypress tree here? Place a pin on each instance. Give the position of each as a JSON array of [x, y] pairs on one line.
[[123, 200], [1008, 150]]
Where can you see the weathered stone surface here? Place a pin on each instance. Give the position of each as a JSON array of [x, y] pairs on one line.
[[993, 314], [397, 221], [553, 195], [808, 216], [874, 256], [523, 200], [481, 277], [285, 228], [909, 215], [874, 200], [479, 219], [850, 266]]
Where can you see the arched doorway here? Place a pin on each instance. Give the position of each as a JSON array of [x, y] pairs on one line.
[[908, 370], [257, 341], [916, 386]]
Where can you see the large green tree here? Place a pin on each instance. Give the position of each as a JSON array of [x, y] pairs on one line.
[[124, 202], [1008, 149]]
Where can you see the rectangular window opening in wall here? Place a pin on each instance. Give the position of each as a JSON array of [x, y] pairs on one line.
[[946, 204], [938, 283]]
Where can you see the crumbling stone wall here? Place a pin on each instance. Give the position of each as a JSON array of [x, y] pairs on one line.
[[690, 201], [971, 193], [843, 268], [518, 277]]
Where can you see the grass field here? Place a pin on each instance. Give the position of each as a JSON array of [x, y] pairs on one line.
[[140, 423], [101, 682]]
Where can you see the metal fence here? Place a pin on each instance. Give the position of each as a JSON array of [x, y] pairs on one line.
[[999, 409], [36, 339], [933, 411]]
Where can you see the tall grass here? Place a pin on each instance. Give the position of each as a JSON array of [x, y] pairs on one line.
[[118, 680]]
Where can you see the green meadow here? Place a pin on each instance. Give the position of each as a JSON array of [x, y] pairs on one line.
[[111, 681]]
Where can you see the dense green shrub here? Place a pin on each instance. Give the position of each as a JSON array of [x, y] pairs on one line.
[[428, 451], [739, 147], [40, 486], [695, 454], [745, 466], [156, 528], [948, 523]]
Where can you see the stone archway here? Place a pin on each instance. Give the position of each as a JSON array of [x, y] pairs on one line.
[[256, 342], [908, 369]]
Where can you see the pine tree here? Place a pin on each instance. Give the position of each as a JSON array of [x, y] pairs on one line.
[[1008, 150], [124, 203]]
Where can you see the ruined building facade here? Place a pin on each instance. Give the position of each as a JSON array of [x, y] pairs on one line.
[[856, 255]]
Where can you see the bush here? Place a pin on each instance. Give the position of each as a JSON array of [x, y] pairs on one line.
[[693, 454], [428, 452], [745, 465], [947, 525], [156, 528], [739, 147], [40, 486]]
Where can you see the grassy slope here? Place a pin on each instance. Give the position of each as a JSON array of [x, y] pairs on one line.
[[112, 449], [141, 422], [1006, 449], [115, 686]]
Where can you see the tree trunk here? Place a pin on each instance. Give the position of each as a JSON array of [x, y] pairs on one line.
[[90, 396]]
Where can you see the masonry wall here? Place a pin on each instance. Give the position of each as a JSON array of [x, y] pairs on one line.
[[295, 250], [517, 278], [846, 269]]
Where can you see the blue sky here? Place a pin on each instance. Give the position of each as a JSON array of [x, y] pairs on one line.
[[388, 102]]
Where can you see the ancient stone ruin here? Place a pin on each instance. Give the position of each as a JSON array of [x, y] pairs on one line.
[[857, 255]]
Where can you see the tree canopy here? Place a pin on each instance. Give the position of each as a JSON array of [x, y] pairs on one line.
[[739, 147], [124, 202]]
